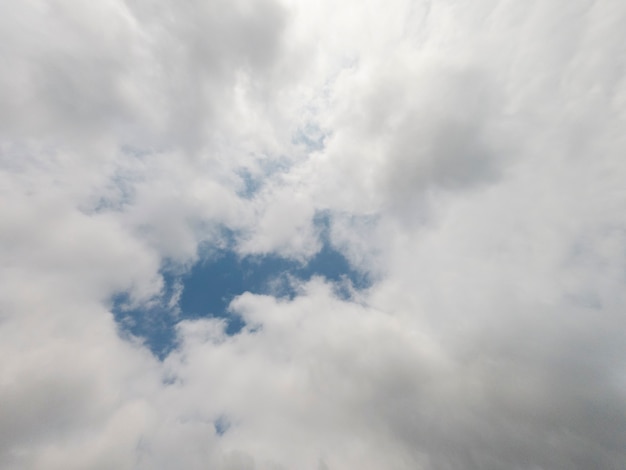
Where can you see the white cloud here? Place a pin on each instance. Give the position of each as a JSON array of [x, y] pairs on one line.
[[469, 158]]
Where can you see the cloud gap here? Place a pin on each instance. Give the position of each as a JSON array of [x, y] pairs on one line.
[[206, 289]]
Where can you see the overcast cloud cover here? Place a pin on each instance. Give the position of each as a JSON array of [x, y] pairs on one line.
[[468, 157]]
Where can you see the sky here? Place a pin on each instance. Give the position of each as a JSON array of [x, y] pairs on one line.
[[282, 234]]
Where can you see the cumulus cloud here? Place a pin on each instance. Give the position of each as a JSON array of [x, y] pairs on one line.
[[467, 158]]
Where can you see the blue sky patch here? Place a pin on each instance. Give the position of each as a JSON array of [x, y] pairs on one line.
[[251, 184], [221, 425], [212, 283]]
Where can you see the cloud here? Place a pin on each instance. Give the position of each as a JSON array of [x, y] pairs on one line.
[[468, 158]]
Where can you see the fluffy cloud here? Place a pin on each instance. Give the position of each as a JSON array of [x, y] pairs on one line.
[[467, 157]]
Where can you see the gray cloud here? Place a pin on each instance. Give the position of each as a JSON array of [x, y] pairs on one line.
[[469, 157]]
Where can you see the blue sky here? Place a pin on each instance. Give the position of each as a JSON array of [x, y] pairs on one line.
[[210, 285]]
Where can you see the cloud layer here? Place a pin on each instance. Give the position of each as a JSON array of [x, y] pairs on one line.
[[468, 158]]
